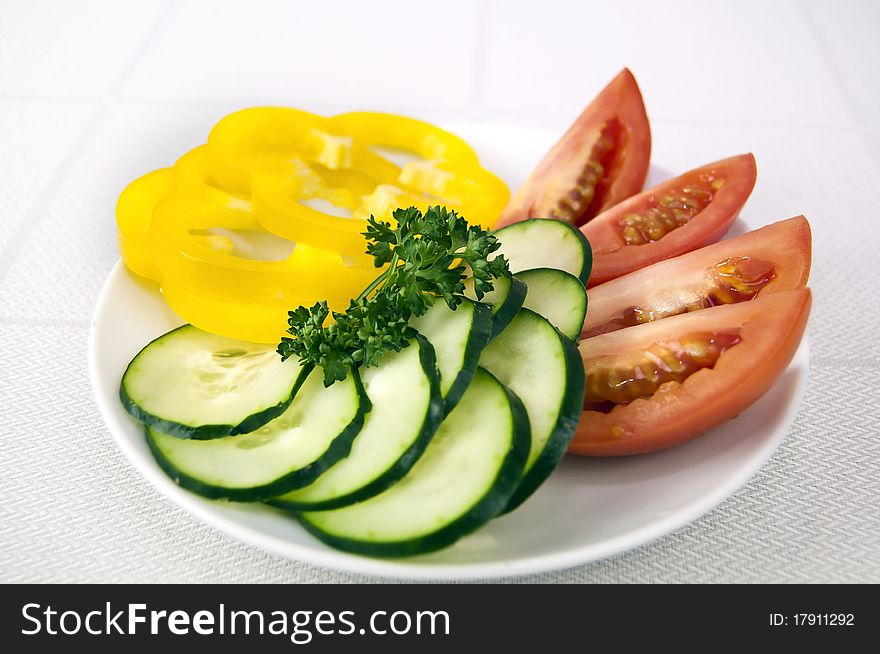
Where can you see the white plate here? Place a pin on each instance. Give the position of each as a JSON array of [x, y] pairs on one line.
[[589, 509]]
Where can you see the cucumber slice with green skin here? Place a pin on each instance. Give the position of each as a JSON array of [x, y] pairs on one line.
[[558, 296], [407, 409], [192, 384], [506, 299], [464, 479], [291, 451], [540, 243], [458, 338], [503, 311], [543, 367]]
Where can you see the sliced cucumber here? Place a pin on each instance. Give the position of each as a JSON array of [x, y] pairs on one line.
[[539, 243], [407, 408], [505, 298], [558, 296], [465, 477], [192, 384], [458, 338], [543, 368], [289, 452]]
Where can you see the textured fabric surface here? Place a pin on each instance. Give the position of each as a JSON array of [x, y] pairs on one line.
[[74, 509]]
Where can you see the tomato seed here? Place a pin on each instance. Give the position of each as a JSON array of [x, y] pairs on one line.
[[669, 213], [737, 280], [577, 201]]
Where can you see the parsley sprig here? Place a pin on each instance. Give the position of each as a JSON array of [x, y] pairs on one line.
[[428, 256]]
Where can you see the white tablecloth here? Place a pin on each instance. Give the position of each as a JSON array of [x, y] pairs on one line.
[[94, 93]]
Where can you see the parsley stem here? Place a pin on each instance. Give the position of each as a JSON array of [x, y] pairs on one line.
[[381, 278]]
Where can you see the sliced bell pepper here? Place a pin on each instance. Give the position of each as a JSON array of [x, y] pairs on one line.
[[336, 153], [305, 178], [203, 279]]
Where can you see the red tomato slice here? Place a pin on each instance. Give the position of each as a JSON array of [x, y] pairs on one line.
[[677, 216], [660, 384], [767, 260], [601, 160]]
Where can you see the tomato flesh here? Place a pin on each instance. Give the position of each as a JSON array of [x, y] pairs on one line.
[[712, 365], [620, 379], [729, 281], [677, 216], [601, 160], [767, 260]]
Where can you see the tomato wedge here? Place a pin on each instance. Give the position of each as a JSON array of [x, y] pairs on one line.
[[660, 384], [677, 216], [601, 160], [774, 258]]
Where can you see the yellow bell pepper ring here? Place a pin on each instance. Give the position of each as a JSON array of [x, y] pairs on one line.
[[188, 252], [282, 208], [380, 130], [181, 253], [267, 137], [270, 139], [134, 212], [445, 170], [193, 180], [255, 322]]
